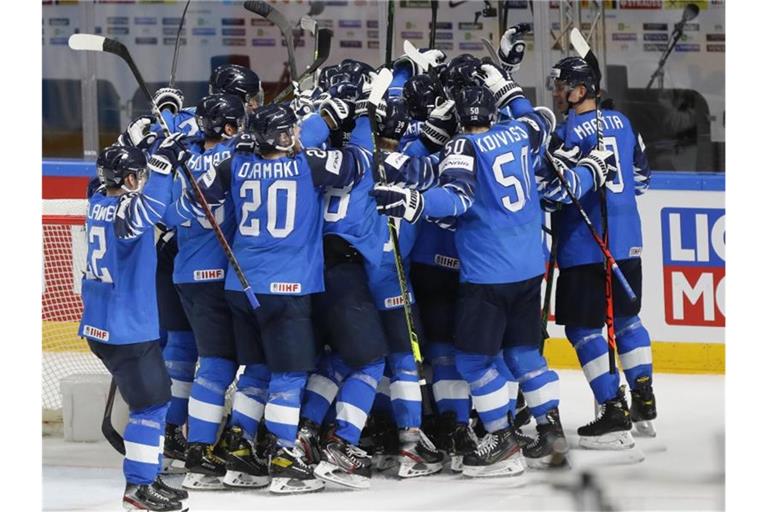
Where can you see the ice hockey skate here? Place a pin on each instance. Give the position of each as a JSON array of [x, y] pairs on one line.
[[498, 454], [611, 430], [550, 448], [379, 440], [291, 474], [174, 450], [205, 469], [344, 463], [643, 408], [455, 439], [244, 468], [308, 439], [147, 497], [418, 456]]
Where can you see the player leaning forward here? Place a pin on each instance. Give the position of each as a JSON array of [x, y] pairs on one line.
[[580, 301], [486, 180], [120, 319]]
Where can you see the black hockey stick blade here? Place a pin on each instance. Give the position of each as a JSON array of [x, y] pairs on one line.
[[265, 10], [111, 435], [172, 81], [324, 37], [433, 25]]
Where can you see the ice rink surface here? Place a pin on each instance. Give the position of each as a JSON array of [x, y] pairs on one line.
[[683, 468]]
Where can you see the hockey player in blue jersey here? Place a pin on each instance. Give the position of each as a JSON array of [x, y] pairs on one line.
[[487, 181], [580, 299], [277, 199], [120, 317]]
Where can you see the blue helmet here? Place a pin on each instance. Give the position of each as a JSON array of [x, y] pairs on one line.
[[115, 163], [461, 72], [272, 127], [421, 92], [475, 106], [218, 110], [392, 117], [238, 80], [574, 71]]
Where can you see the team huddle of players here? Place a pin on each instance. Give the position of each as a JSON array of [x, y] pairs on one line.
[[326, 386]]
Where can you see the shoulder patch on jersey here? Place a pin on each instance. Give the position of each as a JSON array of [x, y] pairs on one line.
[[396, 160], [333, 161], [464, 162]]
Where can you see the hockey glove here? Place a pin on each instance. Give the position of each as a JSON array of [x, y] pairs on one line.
[[602, 165], [503, 90], [512, 48], [361, 104], [302, 103], [245, 143], [441, 125], [168, 98], [169, 155], [428, 59], [399, 202], [336, 113], [139, 134]]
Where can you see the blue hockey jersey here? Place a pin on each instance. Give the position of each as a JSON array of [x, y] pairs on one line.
[[576, 246], [118, 288]]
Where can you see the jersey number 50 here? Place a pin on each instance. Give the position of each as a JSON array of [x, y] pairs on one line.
[[510, 180], [251, 192]]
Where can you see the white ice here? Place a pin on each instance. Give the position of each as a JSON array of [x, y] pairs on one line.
[[683, 468]]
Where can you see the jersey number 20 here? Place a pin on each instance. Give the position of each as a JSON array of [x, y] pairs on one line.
[[280, 189]]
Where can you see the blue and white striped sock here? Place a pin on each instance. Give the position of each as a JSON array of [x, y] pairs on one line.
[[180, 355], [283, 405], [450, 390], [592, 350], [634, 345], [206, 401], [404, 389], [489, 388], [143, 444], [250, 399], [356, 399]]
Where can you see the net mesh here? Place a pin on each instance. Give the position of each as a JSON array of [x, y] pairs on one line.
[[64, 353]]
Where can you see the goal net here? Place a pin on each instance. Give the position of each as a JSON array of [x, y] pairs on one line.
[[64, 255]]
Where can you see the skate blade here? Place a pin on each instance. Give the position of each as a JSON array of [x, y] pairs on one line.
[[242, 479], [457, 463], [511, 467], [644, 428], [200, 482], [132, 505], [409, 468], [334, 474], [173, 467], [295, 486], [621, 440]]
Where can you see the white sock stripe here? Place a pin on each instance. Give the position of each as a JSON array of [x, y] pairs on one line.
[[180, 388], [205, 411], [248, 406], [351, 414], [633, 325], [450, 390], [405, 390], [586, 340], [144, 453], [383, 386], [323, 386], [512, 388], [547, 392], [367, 379], [533, 373], [596, 367], [159, 450], [496, 425], [491, 401], [284, 414], [636, 357], [487, 377]]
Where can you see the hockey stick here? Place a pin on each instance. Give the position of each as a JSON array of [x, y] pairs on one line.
[[585, 52], [265, 10], [172, 81], [416, 56], [548, 289], [390, 32], [492, 52], [111, 435], [96, 43], [433, 26], [378, 89], [323, 43]]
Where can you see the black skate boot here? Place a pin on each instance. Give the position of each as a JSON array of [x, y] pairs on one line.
[[522, 412], [308, 439], [146, 497], [611, 430], [174, 449], [379, 440], [344, 463], [498, 454], [455, 439], [290, 472], [170, 492], [643, 408], [244, 469], [418, 456], [550, 447], [205, 469]]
